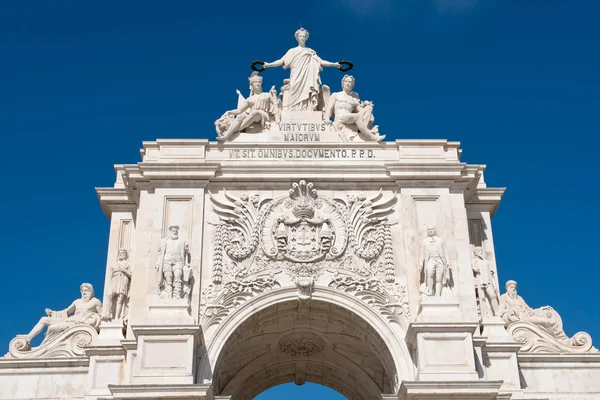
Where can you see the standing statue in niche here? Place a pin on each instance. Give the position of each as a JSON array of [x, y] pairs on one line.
[[513, 309], [174, 271], [119, 286], [86, 310], [305, 68], [434, 263], [485, 278], [348, 111], [258, 109]]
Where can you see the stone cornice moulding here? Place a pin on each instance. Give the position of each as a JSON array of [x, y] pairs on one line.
[[153, 330], [336, 171], [559, 361], [115, 200], [109, 350], [77, 364], [437, 327], [475, 390], [153, 392], [485, 199]]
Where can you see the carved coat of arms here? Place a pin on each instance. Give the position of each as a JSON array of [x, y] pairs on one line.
[[346, 241]]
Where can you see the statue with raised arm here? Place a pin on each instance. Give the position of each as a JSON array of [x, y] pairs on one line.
[[119, 286], [258, 109], [305, 80], [85, 310], [434, 263], [349, 111]]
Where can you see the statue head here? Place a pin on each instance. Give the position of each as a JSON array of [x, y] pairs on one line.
[[174, 231], [511, 287], [348, 82], [478, 251], [122, 254], [431, 231], [301, 36], [87, 291], [255, 81]]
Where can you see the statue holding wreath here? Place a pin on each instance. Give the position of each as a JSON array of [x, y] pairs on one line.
[[305, 66]]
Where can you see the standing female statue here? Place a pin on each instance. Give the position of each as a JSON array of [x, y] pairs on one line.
[[305, 67]]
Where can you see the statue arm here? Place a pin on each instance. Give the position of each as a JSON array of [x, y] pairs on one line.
[[330, 106], [71, 309], [126, 271], [277, 63], [325, 63], [240, 109], [445, 251], [422, 258]]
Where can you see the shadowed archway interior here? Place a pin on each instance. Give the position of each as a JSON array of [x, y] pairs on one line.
[[303, 342]]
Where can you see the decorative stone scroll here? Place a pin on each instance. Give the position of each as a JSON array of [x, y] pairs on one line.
[[306, 240], [68, 331], [540, 330]]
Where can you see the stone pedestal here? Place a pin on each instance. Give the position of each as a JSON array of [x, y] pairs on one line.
[[500, 354], [444, 350], [170, 311], [106, 367], [111, 333], [165, 354], [493, 329], [434, 308]]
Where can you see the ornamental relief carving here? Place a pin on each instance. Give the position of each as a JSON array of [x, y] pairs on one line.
[[306, 240]]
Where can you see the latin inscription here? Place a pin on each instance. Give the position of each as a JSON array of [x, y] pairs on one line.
[[301, 137], [301, 153], [302, 127]]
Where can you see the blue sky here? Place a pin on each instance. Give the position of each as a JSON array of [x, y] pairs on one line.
[[82, 84]]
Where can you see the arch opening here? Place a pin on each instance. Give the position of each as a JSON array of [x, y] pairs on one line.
[[318, 342], [290, 391]]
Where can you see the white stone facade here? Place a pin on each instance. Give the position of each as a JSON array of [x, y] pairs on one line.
[[298, 248], [303, 269]]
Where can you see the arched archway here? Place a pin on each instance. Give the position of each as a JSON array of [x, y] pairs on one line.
[[335, 340], [290, 391]]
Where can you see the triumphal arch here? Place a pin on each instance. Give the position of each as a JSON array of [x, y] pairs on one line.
[[300, 246]]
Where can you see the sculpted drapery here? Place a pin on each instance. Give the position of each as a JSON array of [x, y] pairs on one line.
[[305, 67]]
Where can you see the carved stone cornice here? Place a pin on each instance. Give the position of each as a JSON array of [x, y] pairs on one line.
[[485, 199], [474, 390], [165, 391]]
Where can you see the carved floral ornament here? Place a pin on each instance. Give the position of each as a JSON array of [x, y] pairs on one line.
[[305, 345], [261, 243]]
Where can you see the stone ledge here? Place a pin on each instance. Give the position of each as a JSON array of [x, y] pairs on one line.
[[72, 362], [183, 329], [174, 392], [561, 361], [466, 390], [438, 327]]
